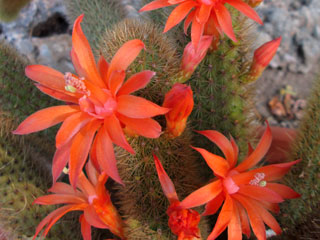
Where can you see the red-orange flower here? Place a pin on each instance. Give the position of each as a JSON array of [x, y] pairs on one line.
[[180, 100], [192, 57], [262, 57], [207, 16], [245, 193], [101, 102], [91, 197], [182, 222]]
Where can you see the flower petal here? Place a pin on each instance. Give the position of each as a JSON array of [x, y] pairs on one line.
[[166, 183], [243, 219], [59, 199], [76, 64], [234, 226], [196, 31], [202, 195], [116, 80], [45, 118], [63, 188], [84, 54], [155, 5], [60, 160], [256, 156], [136, 82], [225, 21], [79, 150], [260, 193], [103, 66], [145, 127], [213, 206], [178, 14], [116, 134], [223, 143], [245, 9], [85, 228], [283, 191], [70, 127], [138, 107], [218, 164], [59, 95], [204, 13], [188, 21], [223, 219], [92, 173], [93, 218], [105, 155]]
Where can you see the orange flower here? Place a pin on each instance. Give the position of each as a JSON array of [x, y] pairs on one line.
[[192, 57], [207, 16], [101, 102], [245, 193], [182, 222], [91, 197], [262, 57], [180, 100]]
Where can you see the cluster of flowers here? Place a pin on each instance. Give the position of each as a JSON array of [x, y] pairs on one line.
[[100, 111]]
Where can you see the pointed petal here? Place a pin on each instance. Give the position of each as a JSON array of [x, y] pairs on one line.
[[105, 155], [116, 134], [234, 226], [70, 127], [125, 56], [85, 228], [223, 143], [93, 155], [59, 95], [93, 218], [218, 164], [79, 150], [76, 64], [45, 118], [59, 199], [46, 76], [283, 190], [196, 32], [243, 219], [136, 82], [84, 54], [260, 193], [213, 206], [223, 219], [256, 156], [178, 14], [245, 9], [166, 183], [235, 151], [145, 127], [204, 13], [155, 5], [92, 173], [116, 80], [273, 207], [63, 188], [225, 21], [138, 107], [86, 187], [202, 195], [188, 21], [103, 66], [60, 160]]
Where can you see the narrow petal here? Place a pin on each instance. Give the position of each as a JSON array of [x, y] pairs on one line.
[[260, 193], [85, 228], [86, 187], [60, 160], [93, 155], [138, 107], [116, 134], [70, 127], [45, 118], [178, 14], [225, 21], [223, 143], [136, 82], [235, 151], [218, 164], [46, 76], [166, 183], [188, 21], [84, 54], [116, 80], [79, 150], [196, 32], [243, 219], [76, 64], [92, 173], [256, 156], [155, 5], [245, 9], [59, 199], [234, 226], [204, 13], [103, 66], [202, 195], [213, 206], [223, 219], [125, 56], [105, 155], [283, 190], [145, 127], [63, 188], [254, 217], [59, 95], [93, 218]]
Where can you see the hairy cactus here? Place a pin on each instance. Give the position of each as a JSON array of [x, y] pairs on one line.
[[9, 9]]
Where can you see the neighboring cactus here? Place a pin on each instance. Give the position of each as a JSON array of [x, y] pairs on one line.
[[300, 218], [9, 9]]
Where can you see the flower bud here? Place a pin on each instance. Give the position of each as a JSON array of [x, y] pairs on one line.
[[180, 100]]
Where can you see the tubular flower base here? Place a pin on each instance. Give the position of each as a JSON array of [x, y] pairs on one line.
[[180, 100], [247, 194], [208, 17], [182, 222], [101, 102], [91, 197]]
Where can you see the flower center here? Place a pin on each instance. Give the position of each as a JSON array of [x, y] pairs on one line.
[[258, 180], [75, 84]]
